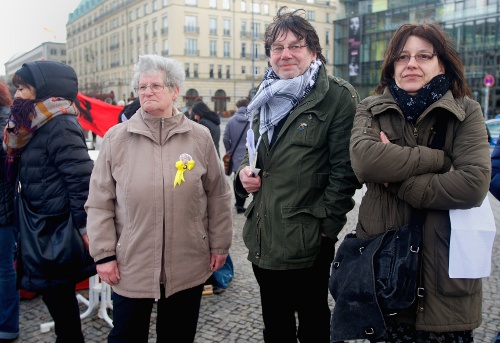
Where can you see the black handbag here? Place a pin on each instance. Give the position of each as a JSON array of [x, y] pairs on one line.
[[51, 248]]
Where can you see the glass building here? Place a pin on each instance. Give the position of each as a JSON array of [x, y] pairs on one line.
[[363, 31]]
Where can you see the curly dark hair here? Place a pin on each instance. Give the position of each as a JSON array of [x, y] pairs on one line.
[[298, 25], [443, 46]]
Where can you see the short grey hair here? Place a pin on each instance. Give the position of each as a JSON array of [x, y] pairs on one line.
[[173, 73]]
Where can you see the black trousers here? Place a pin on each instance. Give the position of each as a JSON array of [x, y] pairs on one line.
[[63, 307], [176, 320], [304, 292]]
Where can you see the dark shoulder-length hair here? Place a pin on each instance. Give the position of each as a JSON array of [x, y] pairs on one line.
[[298, 25], [443, 47], [200, 108], [5, 99]]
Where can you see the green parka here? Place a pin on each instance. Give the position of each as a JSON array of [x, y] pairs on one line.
[[307, 182], [419, 177]]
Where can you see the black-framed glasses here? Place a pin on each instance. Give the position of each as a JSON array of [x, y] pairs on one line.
[[278, 49], [155, 87], [420, 58]]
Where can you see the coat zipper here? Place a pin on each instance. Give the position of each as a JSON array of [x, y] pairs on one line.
[[163, 273]]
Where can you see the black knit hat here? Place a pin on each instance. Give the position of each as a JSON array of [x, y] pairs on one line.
[[25, 74], [50, 79]]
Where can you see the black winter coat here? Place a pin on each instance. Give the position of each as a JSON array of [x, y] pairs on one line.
[[54, 172], [212, 121], [6, 187]]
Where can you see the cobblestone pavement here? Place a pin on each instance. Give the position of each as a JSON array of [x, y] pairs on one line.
[[235, 315]]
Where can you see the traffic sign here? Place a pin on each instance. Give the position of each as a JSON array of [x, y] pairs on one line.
[[489, 80]]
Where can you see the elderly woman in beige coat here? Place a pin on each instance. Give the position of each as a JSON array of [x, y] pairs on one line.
[[159, 211]]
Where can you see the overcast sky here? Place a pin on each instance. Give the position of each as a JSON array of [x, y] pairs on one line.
[[25, 24]]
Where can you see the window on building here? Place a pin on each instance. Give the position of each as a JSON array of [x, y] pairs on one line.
[[227, 27], [310, 1], [327, 17], [310, 15], [164, 51], [266, 9], [155, 48], [195, 70], [155, 28], [219, 71], [138, 13], [212, 23], [243, 29], [186, 68], [146, 9], [53, 51], [327, 37], [213, 48], [226, 5], [131, 35], [243, 69], [146, 31], [256, 30], [146, 49], [211, 71], [191, 24], [131, 15], [212, 4], [227, 49], [256, 51], [243, 50], [228, 72], [190, 2], [63, 52], [138, 33], [154, 5], [164, 25], [191, 47], [164, 3], [243, 6]]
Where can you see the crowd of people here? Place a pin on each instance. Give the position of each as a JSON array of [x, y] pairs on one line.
[[153, 215]]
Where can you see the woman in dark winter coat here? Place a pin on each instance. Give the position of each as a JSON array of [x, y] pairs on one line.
[[46, 152], [9, 296], [206, 117]]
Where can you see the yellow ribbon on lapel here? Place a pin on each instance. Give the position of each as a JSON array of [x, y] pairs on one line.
[[181, 168]]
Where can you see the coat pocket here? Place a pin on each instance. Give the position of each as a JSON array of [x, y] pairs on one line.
[[301, 231], [446, 285]]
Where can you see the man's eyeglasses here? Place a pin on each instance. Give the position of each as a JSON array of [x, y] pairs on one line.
[[278, 49], [155, 87], [420, 58]]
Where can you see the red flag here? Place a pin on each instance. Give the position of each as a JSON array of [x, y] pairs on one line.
[[96, 115]]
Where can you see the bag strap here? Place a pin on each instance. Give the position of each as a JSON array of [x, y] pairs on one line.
[[241, 135]]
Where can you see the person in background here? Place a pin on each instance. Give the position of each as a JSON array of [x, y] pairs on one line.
[[495, 188], [423, 99], [159, 211], [206, 117], [236, 128], [9, 295], [129, 110], [47, 153], [301, 120]]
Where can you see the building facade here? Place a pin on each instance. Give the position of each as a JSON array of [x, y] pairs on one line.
[[473, 24], [219, 42], [46, 51]]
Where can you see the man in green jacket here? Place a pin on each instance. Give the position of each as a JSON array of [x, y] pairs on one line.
[[301, 180]]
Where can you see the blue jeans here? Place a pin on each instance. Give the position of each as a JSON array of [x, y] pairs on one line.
[[9, 296]]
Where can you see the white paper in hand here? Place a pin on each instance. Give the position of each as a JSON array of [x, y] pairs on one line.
[[252, 153], [471, 242]]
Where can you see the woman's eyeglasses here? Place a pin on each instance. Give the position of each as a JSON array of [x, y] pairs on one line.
[[155, 87], [420, 58]]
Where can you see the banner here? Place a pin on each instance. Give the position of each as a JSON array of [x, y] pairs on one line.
[[96, 115]]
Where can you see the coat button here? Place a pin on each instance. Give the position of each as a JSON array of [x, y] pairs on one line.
[[265, 174], [257, 255], [119, 245]]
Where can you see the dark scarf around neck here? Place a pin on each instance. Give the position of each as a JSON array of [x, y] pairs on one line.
[[414, 105]]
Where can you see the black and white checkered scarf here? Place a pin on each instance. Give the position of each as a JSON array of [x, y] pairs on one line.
[[277, 97]]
